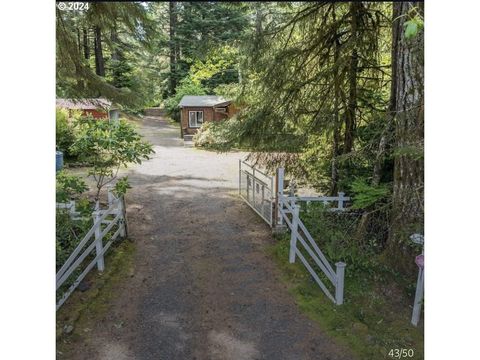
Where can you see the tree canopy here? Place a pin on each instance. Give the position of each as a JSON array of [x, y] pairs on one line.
[[333, 91]]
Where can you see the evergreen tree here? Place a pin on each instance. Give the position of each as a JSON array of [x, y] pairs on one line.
[[407, 97], [75, 77], [320, 75]]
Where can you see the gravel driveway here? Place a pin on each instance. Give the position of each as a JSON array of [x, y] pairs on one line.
[[204, 286]]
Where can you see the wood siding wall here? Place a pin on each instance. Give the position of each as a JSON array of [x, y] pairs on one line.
[[208, 115], [96, 114]]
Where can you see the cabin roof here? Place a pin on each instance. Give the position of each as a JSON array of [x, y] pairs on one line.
[[84, 104], [203, 101]]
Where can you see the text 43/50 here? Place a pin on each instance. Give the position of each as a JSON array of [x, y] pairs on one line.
[[401, 353]]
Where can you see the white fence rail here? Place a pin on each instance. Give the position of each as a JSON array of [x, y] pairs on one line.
[[340, 200], [92, 244]]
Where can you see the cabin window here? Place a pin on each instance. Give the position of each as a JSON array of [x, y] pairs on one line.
[[195, 119]]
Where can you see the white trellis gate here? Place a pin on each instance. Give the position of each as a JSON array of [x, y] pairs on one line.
[[256, 188], [290, 213]]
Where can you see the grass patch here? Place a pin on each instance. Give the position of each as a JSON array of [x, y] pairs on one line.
[[374, 319], [83, 308]]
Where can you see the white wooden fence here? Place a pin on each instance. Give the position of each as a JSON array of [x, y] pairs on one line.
[[289, 212], [256, 188], [340, 200], [70, 206], [105, 222]]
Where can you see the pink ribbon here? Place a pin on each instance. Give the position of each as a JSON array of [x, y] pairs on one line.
[[419, 260]]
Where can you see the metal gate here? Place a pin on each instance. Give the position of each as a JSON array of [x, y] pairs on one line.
[[256, 188]]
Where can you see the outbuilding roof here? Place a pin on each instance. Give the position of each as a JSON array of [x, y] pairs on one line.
[[203, 101], [84, 104]]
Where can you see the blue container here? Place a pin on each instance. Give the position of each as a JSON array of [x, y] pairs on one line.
[[58, 161]]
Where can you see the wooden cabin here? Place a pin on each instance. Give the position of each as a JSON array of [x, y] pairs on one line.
[[198, 109], [99, 108]]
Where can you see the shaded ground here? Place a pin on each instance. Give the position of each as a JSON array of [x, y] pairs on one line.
[[203, 286]]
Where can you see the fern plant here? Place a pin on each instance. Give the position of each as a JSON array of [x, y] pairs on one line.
[[366, 195]]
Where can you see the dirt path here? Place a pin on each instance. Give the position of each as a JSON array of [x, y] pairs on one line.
[[203, 287]]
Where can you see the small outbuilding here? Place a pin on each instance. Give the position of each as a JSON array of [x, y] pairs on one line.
[[197, 109], [99, 108]]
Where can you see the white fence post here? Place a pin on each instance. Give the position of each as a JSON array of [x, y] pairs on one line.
[[292, 185], [121, 209], [279, 181], [340, 282], [272, 192], [417, 306], [341, 199], [72, 209], [239, 177], [110, 195], [98, 240], [254, 189], [294, 233]]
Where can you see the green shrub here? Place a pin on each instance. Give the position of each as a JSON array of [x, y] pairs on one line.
[[334, 233], [69, 186], [68, 234], [64, 133], [106, 147], [121, 186], [208, 135], [366, 195], [216, 135]]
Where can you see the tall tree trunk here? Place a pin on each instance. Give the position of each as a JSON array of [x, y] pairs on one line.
[[99, 61], [350, 113], [86, 45], [336, 118], [239, 70], [385, 138], [258, 19], [407, 202], [116, 57], [258, 38], [173, 46], [79, 41], [115, 54]]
